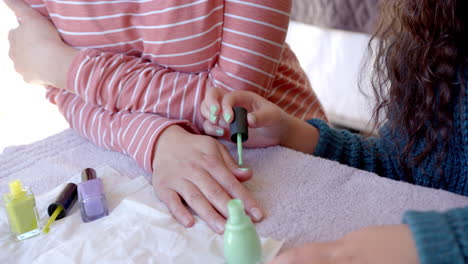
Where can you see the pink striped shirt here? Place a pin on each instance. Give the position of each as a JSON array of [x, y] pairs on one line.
[[145, 64]]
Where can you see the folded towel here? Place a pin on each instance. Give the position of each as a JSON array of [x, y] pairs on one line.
[[306, 198]]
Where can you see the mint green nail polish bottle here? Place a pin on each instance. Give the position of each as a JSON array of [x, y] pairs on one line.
[[241, 241]]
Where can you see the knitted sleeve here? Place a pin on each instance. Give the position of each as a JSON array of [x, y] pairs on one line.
[[371, 154], [440, 237]]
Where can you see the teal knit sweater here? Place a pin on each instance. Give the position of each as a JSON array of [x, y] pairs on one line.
[[439, 237]]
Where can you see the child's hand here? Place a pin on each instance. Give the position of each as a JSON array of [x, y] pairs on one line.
[[384, 244], [266, 120], [268, 124], [199, 170], [36, 48]]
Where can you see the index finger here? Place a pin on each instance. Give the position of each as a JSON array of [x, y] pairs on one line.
[[219, 171]]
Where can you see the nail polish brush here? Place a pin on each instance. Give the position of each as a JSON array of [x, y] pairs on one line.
[[239, 130], [62, 205]]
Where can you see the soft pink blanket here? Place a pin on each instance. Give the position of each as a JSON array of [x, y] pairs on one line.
[[306, 198]]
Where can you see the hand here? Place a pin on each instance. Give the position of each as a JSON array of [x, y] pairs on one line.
[[269, 125], [37, 51], [385, 244], [214, 124], [199, 170]]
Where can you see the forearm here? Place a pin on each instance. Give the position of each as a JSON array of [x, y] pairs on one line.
[[374, 154], [134, 134], [254, 34], [119, 82], [60, 60], [299, 135]]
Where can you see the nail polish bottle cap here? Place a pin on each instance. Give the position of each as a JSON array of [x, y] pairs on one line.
[[16, 189], [66, 199], [88, 174], [239, 124], [236, 212]]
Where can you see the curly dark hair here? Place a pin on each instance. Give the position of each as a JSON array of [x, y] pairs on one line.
[[420, 59]]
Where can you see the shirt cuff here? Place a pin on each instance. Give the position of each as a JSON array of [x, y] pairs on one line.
[[435, 236]]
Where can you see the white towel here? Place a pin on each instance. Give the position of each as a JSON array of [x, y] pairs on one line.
[[305, 198]]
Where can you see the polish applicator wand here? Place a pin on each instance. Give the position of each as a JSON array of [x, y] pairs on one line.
[[239, 130], [62, 205]]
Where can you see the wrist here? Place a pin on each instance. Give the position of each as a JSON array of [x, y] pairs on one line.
[[166, 138], [299, 135], [61, 58]]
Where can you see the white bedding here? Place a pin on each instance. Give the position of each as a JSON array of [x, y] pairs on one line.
[[332, 60]]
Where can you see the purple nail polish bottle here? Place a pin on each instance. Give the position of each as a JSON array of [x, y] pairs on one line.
[[91, 196]]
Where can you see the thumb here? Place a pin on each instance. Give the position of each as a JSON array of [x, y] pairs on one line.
[[20, 8]]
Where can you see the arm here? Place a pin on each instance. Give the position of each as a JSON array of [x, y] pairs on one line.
[[124, 83], [195, 168], [252, 43], [270, 125], [426, 238], [134, 134], [254, 34], [370, 154], [440, 237]]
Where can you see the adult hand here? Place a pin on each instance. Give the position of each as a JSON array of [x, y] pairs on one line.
[[214, 124], [36, 48], [385, 244], [199, 170]]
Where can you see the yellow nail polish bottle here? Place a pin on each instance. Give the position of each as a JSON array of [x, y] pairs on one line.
[[22, 213]]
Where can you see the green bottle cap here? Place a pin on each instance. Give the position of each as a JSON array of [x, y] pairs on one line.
[[236, 212]]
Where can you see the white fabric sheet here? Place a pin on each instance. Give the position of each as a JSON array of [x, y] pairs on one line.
[[139, 229]]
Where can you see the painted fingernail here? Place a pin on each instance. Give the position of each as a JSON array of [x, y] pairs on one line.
[[227, 117], [213, 116], [257, 214], [254, 119], [220, 226], [220, 132]]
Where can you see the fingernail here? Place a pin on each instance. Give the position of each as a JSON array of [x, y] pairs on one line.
[[213, 116], [186, 221], [213, 109], [257, 214], [220, 132], [227, 117], [244, 169], [220, 226], [254, 119]]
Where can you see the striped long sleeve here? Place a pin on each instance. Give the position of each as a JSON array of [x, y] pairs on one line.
[[134, 134], [251, 46], [146, 64]]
